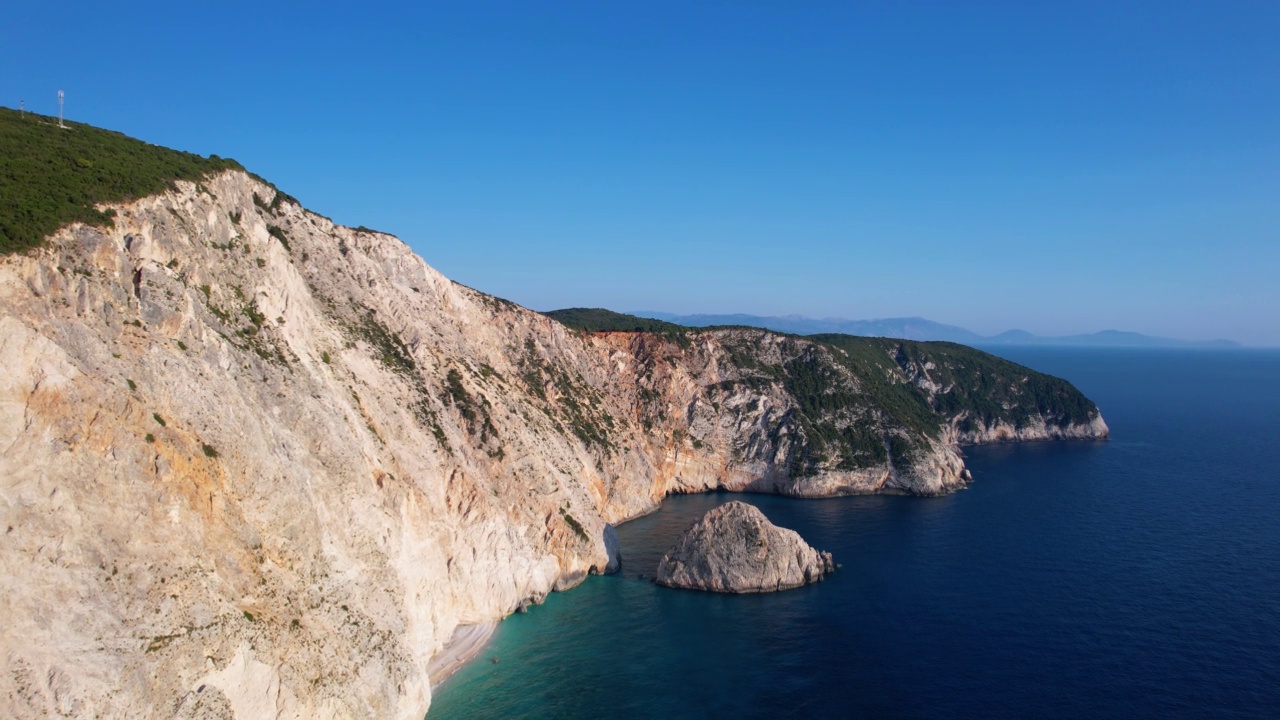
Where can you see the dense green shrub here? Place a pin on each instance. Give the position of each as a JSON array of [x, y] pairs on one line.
[[275, 232], [600, 320], [50, 176], [979, 386], [574, 525]]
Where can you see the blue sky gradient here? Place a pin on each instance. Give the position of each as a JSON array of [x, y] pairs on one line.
[[1055, 167]]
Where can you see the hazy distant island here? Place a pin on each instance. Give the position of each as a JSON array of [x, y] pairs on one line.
[[918, 328]]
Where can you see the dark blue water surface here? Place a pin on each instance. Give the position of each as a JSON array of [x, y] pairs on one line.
[[1135, 577]]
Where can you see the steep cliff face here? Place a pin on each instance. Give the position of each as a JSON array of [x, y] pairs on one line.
[[750, 410], [249, 451], [254, 464]]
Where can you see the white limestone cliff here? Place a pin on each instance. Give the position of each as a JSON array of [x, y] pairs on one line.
[[256, 464], [1036, 429]]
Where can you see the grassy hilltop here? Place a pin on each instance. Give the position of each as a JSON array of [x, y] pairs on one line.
[[51, 176]]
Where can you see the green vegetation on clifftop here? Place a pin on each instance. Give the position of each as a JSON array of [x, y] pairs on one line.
[[862, 401], [976, 385], [51, 176], [601, 320]]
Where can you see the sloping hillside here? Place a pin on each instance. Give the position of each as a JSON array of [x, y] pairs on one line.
[[256, 464], [51, 175]]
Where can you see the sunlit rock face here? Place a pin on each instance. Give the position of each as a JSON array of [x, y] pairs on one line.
[[735, 549], [256, 464]]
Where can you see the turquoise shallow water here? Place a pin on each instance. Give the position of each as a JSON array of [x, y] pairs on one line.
[[1136, 577]]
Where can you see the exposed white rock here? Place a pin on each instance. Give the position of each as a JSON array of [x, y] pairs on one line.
[[1036, 429], [734, 548], [256, 464], [219, 494]]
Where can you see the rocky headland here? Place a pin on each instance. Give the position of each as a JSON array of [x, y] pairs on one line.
[[257, 464], [735, 549]]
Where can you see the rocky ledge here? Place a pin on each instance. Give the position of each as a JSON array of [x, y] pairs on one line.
[[735, 549]]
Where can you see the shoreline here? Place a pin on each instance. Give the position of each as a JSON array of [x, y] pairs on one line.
[[467, 642]]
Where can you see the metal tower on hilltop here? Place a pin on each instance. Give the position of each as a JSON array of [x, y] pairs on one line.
[[61, 96]]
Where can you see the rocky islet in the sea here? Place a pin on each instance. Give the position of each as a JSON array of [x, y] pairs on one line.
[[734, 548]]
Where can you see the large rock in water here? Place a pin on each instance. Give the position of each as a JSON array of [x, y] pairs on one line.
[[735, 549]]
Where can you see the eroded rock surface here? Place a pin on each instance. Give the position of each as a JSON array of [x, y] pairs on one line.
[[257, 464], [735, 549]]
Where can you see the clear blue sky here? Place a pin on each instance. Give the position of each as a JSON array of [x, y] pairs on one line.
[[1059, 169]]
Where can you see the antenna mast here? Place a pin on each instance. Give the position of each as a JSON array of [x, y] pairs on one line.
[[61, 95]]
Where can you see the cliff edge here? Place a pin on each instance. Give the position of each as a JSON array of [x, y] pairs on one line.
[[254, 463]]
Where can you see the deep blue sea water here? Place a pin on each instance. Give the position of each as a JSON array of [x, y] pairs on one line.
[[1129, 578]]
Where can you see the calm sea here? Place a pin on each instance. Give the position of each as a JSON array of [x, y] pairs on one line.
[[1135, 577]]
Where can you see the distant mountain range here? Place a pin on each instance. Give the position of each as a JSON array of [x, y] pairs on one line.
[[917, 328]]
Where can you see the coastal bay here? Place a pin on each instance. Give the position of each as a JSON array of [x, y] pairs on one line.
[[1126, 578]]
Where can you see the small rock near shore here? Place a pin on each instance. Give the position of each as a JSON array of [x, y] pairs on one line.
[[735, 549]]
